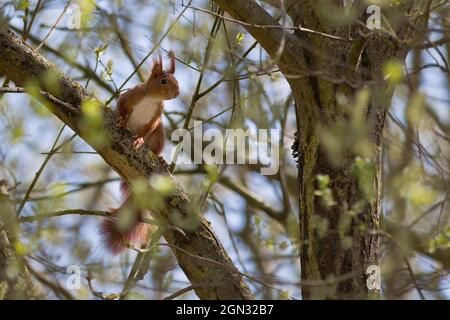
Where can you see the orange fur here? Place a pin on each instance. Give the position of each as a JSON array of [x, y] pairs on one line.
[[161, 85], [116, 240]]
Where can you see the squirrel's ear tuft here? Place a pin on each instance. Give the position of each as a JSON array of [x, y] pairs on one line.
[[172, 62], [157, 66]]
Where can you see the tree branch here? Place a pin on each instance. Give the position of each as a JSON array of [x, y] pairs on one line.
[[277, 3], [271, 39]]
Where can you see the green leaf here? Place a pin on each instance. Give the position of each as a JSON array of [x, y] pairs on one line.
[[87, 8], [364, 170], [23, 5], [92, 125], [163, 185], [20, 248], [283, 245], [421, 195], [393, 71], [107, 73], [239, 38], [415, 109], [442, 241], [323, 180], [213, 172], [100, 50], [18, 131], [257, 220], [285, 295], [92, 112]]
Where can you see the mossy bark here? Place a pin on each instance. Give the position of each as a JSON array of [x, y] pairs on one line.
[[15, 278], [338, 239]]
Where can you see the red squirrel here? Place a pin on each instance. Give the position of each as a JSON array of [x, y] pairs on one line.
[[140, 111]]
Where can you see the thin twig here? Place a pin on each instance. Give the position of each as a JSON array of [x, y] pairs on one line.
[[54, 25], [41, 169], [180, 292], [148, 55], [277, 26], [80, 212]]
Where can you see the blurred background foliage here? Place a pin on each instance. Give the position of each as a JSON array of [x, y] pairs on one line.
[[227, 81]]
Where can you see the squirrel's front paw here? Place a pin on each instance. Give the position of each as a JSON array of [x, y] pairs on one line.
[[138, 143]]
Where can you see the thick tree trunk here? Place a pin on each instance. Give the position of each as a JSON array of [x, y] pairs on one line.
[[339, 240]]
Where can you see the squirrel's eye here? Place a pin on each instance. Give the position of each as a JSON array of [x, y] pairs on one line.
[[163, 81]]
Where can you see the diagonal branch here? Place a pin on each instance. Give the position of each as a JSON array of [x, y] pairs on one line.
[[22, 64], [277, 3], [271, 39]]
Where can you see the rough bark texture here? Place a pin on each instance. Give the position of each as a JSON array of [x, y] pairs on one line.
[[319, 69], [15, 278], [350, 244], [200, 254]]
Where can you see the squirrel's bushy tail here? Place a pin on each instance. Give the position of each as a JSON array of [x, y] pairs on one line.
[[118, 233]]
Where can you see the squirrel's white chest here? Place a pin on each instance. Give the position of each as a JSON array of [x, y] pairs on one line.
[[142, 113]]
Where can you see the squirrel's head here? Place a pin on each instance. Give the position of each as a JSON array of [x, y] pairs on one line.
[[161, 83]]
